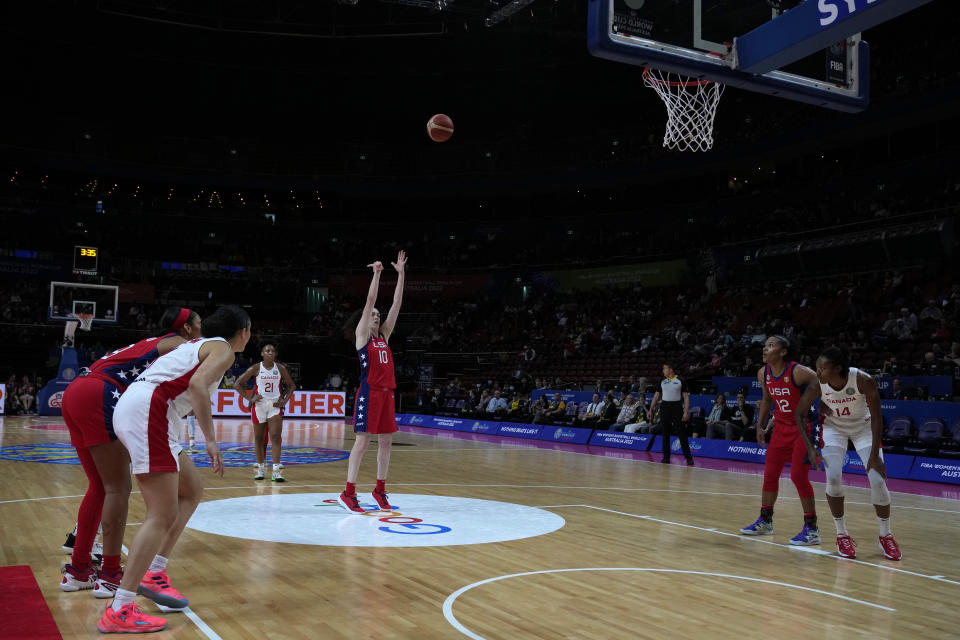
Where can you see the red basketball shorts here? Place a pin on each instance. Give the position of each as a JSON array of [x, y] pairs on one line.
[[373, 411], [87, 408]]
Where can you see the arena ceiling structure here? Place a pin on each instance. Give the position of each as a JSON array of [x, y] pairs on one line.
[[337, 92]]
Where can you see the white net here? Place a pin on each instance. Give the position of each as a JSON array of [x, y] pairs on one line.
[[86, 320], [691, 108]]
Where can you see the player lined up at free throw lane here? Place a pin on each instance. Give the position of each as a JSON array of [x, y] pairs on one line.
[[783, 381], [373, 410], [267, 403], [850, 412], [88, 409], [148, 420]]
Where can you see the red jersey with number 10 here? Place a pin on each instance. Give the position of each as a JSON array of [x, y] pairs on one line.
[[376, 364]]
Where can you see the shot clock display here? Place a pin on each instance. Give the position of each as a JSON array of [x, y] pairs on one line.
[[85, 260]]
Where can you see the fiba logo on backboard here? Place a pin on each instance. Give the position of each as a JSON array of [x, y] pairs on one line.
[[68, 374]]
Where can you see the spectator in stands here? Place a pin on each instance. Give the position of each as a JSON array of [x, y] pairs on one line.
[[890, 325], [435, 403], [896, 391], [497, 406], [539, 409], [228, 380], [471, 402], [740, 419], [518, 406], [528, 354], [909, 319], [931, 312], [718, 417], [942, 333], [28, 395], [954, 355], [610, 411], [627, 414], [591, 412], [555, 410], [890, 366], [336, 380]]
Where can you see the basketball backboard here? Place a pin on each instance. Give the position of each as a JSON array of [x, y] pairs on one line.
[[71, 298], [696, 38]]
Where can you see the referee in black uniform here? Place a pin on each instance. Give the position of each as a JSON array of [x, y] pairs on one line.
[[674, 412]]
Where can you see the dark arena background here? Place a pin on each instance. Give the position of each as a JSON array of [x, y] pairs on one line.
[[161, 154]]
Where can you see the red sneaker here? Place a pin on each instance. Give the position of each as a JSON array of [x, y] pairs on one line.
[[156, 586], [846, 547], [350, 503], [130, 619], [890, 548], [381, 499]]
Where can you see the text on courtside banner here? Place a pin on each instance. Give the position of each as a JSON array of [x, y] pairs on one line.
[[304, 404]]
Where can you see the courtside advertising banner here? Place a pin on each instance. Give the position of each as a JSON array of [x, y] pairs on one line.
[[303, 404]]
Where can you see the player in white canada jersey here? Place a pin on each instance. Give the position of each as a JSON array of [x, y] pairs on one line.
[[850, 411], [267, 406], [148, 421]]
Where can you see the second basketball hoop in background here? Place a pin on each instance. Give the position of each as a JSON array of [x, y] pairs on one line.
[[440, 128]]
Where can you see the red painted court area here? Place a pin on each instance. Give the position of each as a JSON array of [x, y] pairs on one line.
[[24, 612]]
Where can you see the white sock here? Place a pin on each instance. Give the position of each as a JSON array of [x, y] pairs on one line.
[[121, 598], [159, 563], [276, 467], [884, 526], [841, 525]]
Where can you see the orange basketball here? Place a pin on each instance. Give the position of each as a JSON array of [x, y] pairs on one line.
[[440, 128]]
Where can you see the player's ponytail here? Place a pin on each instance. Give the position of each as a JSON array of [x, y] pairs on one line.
[[225, 322]]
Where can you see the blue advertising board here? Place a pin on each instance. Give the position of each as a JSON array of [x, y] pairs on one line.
[[516, 430], [572, 435], [620, 440], [934, 470]]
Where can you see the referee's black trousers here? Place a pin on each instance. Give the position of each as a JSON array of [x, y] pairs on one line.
[[671, 421]]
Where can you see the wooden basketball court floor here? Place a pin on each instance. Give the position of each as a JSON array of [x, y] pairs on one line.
[[644, 550]]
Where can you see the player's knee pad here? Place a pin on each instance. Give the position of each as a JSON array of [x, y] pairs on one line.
[[879, 494], [833, 458]]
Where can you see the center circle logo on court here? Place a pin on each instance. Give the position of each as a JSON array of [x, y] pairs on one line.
[[414, 520]]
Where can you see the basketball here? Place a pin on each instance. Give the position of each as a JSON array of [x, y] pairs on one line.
[[440, 128]]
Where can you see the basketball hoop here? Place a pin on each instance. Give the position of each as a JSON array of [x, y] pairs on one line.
[[86, 320], [691, 107]]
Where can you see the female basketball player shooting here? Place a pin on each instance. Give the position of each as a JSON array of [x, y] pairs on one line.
[[148, 420], [373, 410], [850, 406], [88, 407], [267, 406]]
